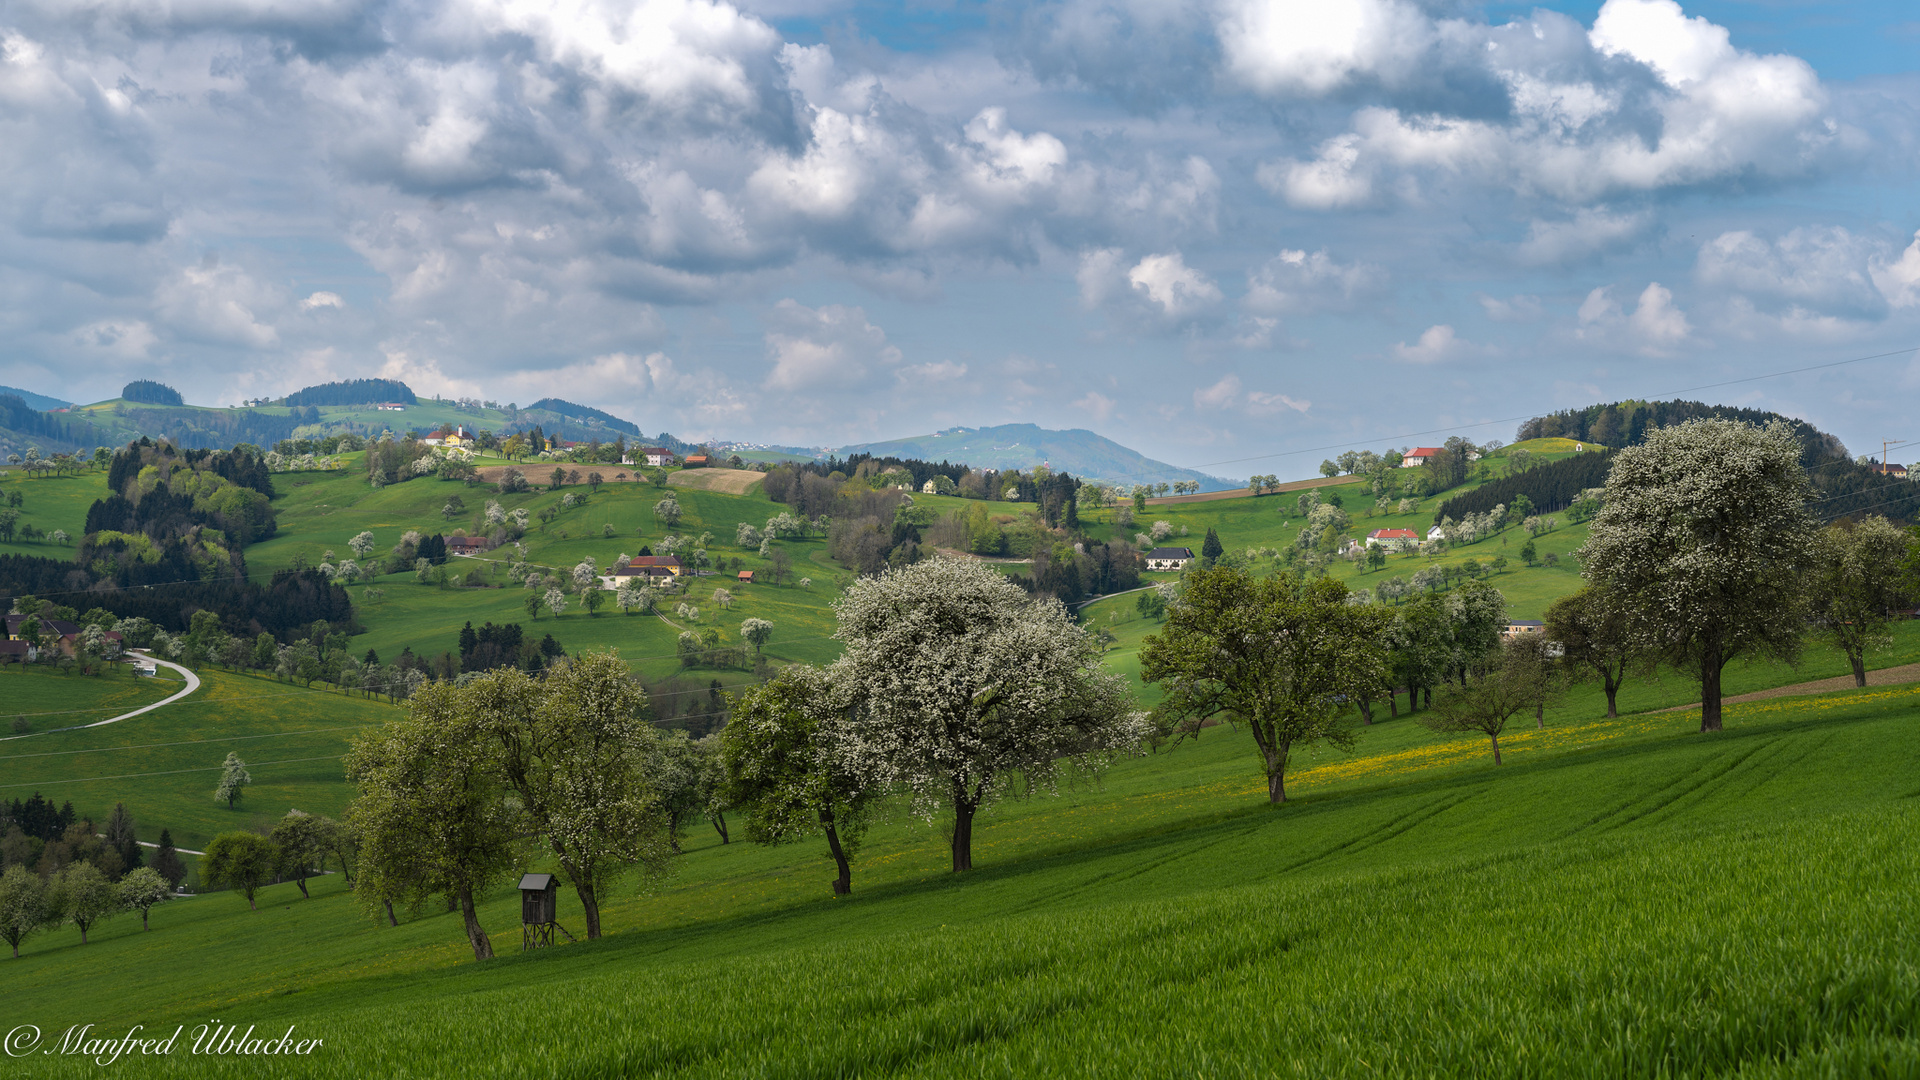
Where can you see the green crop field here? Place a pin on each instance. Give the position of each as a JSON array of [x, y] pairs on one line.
[[1625, 897]]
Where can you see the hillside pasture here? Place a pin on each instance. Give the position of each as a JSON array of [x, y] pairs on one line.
[[52, 502], [164, 764], [1409, 911]]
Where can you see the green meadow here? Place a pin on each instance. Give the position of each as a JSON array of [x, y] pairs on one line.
[[1624, 897], [164, 764], [48, 699]]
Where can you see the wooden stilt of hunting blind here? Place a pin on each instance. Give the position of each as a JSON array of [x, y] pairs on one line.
[[539, 903]]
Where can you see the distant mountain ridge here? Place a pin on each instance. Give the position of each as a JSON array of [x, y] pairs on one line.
[[585, 414], [1083, 453], [36, 401]]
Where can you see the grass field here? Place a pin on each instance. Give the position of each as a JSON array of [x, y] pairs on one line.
[[1621, 898], [164, 764], [48, 699]]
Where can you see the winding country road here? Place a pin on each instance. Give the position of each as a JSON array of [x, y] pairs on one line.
[[193, 683]]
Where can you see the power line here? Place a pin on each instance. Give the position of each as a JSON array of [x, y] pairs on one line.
[[169, 772], [189, 742]]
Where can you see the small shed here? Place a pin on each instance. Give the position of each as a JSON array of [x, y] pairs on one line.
[[539, 910], [746, 577]]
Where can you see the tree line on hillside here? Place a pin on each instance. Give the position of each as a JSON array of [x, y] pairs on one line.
[[353, 392], [167, 543], [581, 413], [289, 600], [213, 428], [1550, 487], [149, 392], [1842, 487], [66, 431]]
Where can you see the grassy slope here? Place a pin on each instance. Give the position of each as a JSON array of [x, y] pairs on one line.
[[49, 699], [1620, 896], [1273, 521], [321, 512], [163, 764], [53, 502]]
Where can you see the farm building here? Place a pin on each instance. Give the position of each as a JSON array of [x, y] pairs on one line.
[[1169, 558], [1393, 539]]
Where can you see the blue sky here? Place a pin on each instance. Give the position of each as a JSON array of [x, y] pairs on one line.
[[1221, 231]]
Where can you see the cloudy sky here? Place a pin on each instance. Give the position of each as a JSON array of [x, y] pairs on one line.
[[1212, 229]]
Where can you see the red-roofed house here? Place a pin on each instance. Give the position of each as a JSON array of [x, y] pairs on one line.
[[1393, 539], [1418, 456], [746, 577]]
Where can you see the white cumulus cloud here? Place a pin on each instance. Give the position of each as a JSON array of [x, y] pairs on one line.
[[826, 347], [1655, 327], [1436, 343], [1169, 282]]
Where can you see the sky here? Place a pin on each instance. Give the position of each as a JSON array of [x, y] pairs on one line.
[[1233, 234]]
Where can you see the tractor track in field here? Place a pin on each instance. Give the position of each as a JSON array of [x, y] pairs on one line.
[[1697, 781], [1115, 877], [1405, 822]]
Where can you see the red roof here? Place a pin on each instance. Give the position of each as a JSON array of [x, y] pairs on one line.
[[1393, 534], [1425, 451]]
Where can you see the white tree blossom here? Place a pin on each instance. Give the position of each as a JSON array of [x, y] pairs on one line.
[[1705, 540], [362, 544], [756, 632], [963, 682], [627, 596]]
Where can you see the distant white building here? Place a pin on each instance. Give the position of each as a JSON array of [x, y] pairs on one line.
[[1419, 456], [1169, 558]]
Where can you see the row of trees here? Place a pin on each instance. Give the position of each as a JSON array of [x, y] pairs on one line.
[[955, 689], [1704, 552], [80, 896]]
